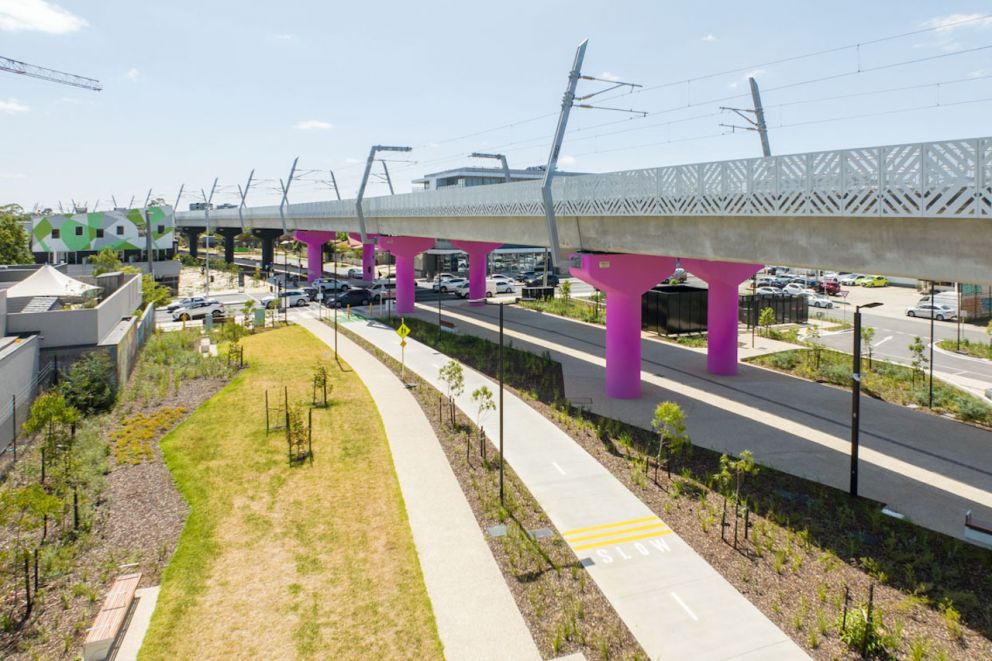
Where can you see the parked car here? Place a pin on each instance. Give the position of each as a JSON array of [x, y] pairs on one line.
[[538, 281], [768, 291], [287, 298], [356, 296], [794, 288], [199, 310], [939, 311], [850, 279], [779, 282], [764, 281], [184, 303], [500, 277], [806, 282], [828, 286], [313, 293], [383, 290], [818, 300], [873, 281], [449, 285], [444, 277], [355, 273]]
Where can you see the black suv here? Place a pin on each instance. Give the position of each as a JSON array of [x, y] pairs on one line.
[[350, 297]]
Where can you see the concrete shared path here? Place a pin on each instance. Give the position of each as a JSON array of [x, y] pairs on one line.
[[675, 604], [924, 466], [463, 581]]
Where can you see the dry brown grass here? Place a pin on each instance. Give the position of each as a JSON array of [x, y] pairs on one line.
[[313, 561]]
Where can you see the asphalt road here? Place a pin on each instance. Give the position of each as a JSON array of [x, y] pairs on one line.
[[894, 335]]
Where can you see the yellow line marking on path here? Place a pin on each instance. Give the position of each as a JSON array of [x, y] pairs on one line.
[[614, 533], [618, 524], [659, 533]]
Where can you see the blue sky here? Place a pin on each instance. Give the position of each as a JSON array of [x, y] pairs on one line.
[[194, 90]]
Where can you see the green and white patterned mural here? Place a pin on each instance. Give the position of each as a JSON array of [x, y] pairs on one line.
[[118, 229]]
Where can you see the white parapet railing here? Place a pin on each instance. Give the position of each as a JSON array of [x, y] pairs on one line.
[[949, 179]]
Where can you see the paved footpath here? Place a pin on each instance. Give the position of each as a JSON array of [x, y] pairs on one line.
[[926, 467], [675, 604], [463, 581]]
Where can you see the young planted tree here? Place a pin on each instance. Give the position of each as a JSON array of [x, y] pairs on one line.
[[320, 384], [89, 385], [484, 402], [53, 416], [919, 364], [454, 379], [867, 335], [766, 319], [566, 292], [733, 472], [815, 345], [673, 441], [248, 311]]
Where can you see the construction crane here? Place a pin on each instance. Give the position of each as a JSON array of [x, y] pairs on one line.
[[25, 69]]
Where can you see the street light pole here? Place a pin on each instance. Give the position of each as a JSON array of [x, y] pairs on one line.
[[856, 397], [500, 403], [932, 315]]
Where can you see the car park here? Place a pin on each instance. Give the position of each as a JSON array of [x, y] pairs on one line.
[[184, 303], [873, 281], [938, 311], [288, 298], [356, 296], [815, 300], [768, 291], [199, 310], [850, 279]]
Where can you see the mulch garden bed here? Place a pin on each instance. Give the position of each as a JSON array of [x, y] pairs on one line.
[[136, 519], [563, 607]]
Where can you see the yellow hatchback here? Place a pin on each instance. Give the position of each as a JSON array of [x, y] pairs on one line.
[[872, 281]]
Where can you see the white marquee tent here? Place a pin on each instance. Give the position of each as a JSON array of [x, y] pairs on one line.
[[48, 281]]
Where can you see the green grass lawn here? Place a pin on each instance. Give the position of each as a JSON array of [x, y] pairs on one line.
[[976, 349], [315, 560]]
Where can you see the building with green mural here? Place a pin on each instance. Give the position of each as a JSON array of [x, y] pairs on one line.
[[82, 234]]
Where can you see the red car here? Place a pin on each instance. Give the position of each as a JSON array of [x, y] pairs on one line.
[[828, 286]]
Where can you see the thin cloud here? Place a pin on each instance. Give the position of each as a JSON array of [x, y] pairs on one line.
[[953, 22], [284, 36], [710, 38], [12, 107], [606, 75], [311, 124], [133, 74], [566, 159], [12, 175], [38, 16]]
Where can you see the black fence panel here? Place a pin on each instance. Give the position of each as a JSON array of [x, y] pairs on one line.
[[674, 310], [788, 308]]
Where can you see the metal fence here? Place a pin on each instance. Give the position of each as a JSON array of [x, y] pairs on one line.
[[15, 411], [674, 309], [788, 309]]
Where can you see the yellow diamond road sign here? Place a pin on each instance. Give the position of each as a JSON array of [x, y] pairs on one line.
[[403, 330], [403, 344]]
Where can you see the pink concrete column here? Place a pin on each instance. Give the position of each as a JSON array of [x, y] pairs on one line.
[[624, 278], [315, 240], [724, 279], [368, 256], [405, 248], [478, 256]]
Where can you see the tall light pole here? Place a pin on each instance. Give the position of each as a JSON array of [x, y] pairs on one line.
[[856, 396], [932, 315], [505, 300], [207, 200], [365, 181]]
